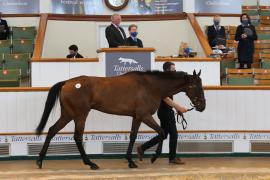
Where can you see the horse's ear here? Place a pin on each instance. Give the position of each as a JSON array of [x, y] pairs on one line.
[[199, 74], [194, 72]]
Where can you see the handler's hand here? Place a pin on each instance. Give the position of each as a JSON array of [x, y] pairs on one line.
[[182, 110]]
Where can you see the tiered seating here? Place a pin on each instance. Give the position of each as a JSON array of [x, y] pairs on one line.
[[23, 32], [264, 10], [5, 46], [17, 61], [260, 45], [248, 76], [260, 17], [23, 46], [15, 54], [264, 15], [265, 60], [239, 76], [261, 76]]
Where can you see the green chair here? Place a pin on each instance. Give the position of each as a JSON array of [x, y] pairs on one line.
[[240, 81], [17, 61], [22, 46], [5, 46], [20, 56], [264, 36], [240, 77], [251, 12], [10, 77], [265, 13], [23, 32], [224, 64], [1, 60], [265, 64], [255, 22], [16, 64]]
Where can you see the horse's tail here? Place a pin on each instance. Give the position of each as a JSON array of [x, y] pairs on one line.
[[50, 102]]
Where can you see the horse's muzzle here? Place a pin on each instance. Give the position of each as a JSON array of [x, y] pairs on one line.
[[200, 106]]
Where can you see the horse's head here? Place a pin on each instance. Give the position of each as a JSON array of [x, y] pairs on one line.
[[194, 91]]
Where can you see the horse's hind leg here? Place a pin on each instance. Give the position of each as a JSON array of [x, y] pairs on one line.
[[60, 124], [78, 137], [133, 135]]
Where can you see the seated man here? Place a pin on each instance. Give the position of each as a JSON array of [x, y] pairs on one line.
[[132, 40], [216, 33], [4, 29], [73, 52]]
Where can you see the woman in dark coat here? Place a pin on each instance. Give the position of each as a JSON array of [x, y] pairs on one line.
[[245, 35]]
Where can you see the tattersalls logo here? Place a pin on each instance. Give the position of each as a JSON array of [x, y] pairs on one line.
[[126, 60], [126, 64], [121, 63]]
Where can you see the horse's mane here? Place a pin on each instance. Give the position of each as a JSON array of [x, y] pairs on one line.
[[161, 74]]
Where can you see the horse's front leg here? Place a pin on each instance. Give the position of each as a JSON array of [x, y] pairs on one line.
[[133, 135], [158, 151], [149, 120]]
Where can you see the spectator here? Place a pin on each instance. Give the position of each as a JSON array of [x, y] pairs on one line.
[[245, 35], [216, 33], [73, 52], [132, 40], [4, 29]]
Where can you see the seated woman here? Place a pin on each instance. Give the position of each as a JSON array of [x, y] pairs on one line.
[[73, 52], [132, 40]]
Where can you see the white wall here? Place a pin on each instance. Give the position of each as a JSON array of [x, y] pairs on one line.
[[22, 21], [20, 112], [46, 74], [165, 36], [61, 34], [239, 110]]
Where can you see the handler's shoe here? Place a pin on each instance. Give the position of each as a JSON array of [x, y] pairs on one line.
[[176, 161], [140, 152]]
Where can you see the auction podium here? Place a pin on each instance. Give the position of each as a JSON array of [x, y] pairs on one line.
[[118, 61]]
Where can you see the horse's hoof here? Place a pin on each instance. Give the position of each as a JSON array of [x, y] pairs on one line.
[[132, 165], [140, 153], [39, 164], [94, 166], [153, 159]]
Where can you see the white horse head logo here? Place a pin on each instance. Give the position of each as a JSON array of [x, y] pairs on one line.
[[126, 60]]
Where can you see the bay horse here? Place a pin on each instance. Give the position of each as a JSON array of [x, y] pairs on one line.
[[135, 94]]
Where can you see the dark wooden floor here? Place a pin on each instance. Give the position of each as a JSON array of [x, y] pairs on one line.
[[194, 169]]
